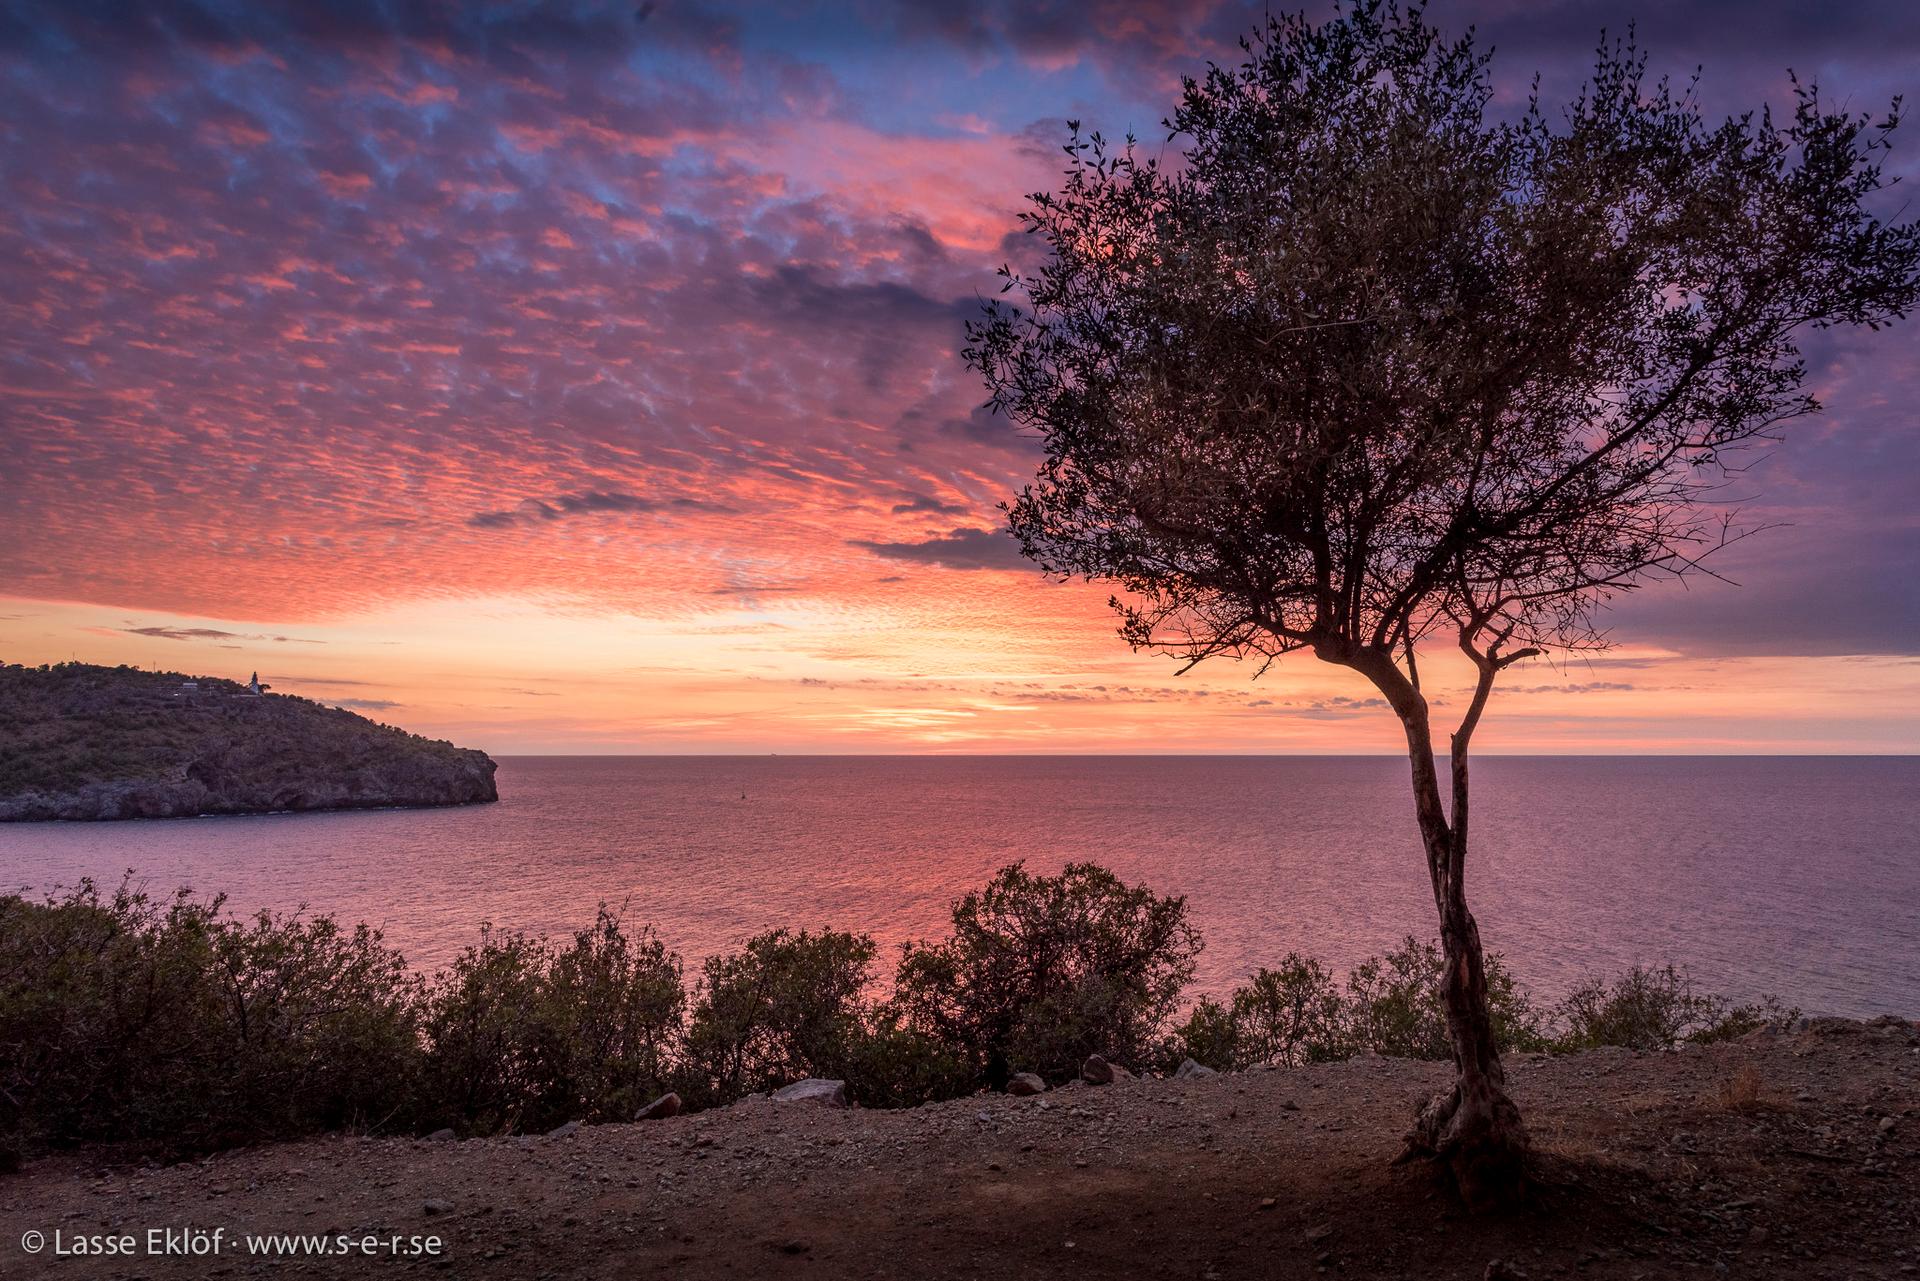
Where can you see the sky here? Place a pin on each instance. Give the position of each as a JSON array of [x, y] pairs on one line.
[[585, 378]]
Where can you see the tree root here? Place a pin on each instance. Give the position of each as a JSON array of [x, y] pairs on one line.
[[1475, 1133]]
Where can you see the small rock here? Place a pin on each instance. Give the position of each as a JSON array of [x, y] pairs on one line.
[[1190, 1068], [437, 1207], [1319, 1232], [660, 1109], [440, 1136], [1096, 1070], [566, 1131], [1026, 1083], [1499, 1270], [1288, 1105], [1267, 1203], [814, 1089], [1886, 1124]]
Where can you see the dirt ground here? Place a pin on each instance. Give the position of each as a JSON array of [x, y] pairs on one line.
[[1789, 1154]]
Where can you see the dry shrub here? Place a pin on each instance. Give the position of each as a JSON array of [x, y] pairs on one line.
[[1744, 1091]]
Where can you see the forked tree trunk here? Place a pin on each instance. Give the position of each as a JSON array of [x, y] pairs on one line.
[[1473, 1129]]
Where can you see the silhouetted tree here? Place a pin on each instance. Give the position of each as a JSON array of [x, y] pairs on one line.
[[1367, 369]]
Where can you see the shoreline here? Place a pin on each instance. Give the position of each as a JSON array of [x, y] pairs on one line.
[[130, 819]]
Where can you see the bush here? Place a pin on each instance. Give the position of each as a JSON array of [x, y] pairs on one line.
[[1394, 1003], [1655, 1009], [788, 1006], [1729, 1022], [484, 1051], [617, 1005], [1395, 1007], [1295, 1014], [1042, 971], [174, 1026], [322, 1026], [1208, 1036], [891, 1065], [523, 1035], [1286, 1016]]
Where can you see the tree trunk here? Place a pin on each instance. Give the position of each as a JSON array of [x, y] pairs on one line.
[[1473, 1129]]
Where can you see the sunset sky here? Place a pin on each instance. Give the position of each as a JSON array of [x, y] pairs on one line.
[[585, 378]]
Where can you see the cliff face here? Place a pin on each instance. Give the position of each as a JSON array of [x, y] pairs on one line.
[[85, 742]]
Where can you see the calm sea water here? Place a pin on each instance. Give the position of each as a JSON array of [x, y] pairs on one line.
[[1794, 876]]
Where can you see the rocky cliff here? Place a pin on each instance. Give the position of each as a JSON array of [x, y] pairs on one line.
[[84, 742]]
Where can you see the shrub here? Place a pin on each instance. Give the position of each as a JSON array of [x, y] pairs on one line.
[[1207, 1036], [1394, 1005], [484, 1036], [523, 1035], [174, 1026], [1650, 1008], [616, 1004], [891, 1065], [1288, 1016], [1042, 971], [322, 1026], [788, 1006], [1730, 1022], [1285, 1017]]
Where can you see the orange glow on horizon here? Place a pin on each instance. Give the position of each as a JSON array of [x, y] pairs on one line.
[[833, 676]]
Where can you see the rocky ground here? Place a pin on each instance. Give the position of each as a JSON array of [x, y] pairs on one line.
[[1789, 1154]]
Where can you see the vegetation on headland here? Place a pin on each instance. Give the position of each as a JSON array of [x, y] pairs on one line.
[[80, 741], [175, 1026]]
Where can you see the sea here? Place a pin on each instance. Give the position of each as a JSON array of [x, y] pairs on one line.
[[1797, 877]]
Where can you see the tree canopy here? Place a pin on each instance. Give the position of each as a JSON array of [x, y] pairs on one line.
[[1366, 363]]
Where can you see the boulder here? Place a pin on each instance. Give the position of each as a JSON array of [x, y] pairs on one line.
[[660, 1109], [827, 1093], [1097, 1071], [566, 1131], [441, 1136], [1190, 1068], [1026, 1083]]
